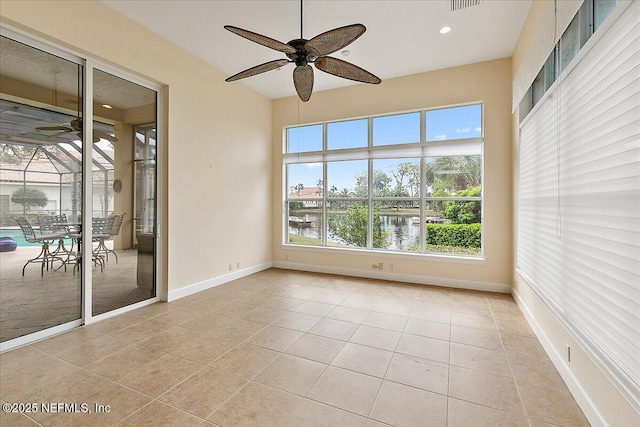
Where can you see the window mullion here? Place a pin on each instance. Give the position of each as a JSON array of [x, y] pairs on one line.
[[325, 222], [423, 185], [370, 188], [423, 205]]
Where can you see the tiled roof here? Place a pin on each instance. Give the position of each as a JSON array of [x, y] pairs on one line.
[[307, 193]]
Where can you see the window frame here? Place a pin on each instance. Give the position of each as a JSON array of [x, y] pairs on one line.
[[421, 151]]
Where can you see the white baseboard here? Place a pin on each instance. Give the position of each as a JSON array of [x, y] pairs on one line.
[[398, 277], [583, 400], [206, 284]]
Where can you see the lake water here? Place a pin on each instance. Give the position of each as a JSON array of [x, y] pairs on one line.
[[404, 234]]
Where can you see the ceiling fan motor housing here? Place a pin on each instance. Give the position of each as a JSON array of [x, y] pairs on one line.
[[302, 56]]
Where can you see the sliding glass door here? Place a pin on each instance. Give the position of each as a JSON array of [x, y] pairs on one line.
[[124, 189], [78, 205]]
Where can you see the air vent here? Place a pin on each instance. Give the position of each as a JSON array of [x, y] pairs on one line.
[[463, 4]]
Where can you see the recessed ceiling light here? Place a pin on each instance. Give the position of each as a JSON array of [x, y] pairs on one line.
[[345, 52], [445, 29], [107, 106]]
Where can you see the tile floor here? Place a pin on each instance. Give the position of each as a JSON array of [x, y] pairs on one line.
[[282, 348]]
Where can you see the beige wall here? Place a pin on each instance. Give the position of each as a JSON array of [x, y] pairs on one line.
[[123, 170], [608, 401], [217, 135], [489, 82], [534, 18]]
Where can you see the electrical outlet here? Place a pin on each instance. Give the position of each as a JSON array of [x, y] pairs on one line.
[[238, 264], [230, 267]]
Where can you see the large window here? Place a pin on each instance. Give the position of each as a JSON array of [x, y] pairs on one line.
[[586, 21], [407, 182]]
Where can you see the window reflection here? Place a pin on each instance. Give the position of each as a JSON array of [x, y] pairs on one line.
[[40, 189]]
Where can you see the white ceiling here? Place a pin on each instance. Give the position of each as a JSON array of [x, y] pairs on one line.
[[402, 37]]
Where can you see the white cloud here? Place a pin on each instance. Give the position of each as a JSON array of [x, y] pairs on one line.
[[440, 137], [463, 130], [478, 129], [313, 165]]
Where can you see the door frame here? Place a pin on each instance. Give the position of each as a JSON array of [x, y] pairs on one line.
[[90, 64]]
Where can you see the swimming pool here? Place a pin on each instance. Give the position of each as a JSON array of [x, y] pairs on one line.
[[17, 235]]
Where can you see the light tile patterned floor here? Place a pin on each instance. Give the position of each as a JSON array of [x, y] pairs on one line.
[[283, 348]]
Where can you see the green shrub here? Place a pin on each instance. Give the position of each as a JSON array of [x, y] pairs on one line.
[[462, 235], [467, 212]]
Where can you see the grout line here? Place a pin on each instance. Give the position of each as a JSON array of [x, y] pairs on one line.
[[524, 409], [449, 368]]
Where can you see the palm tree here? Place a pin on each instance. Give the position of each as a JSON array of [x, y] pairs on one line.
[[451, 174], [346, 193], [319, 190]]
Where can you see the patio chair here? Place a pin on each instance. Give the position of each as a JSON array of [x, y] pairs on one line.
[[55, 224], [45, 257], [110, 228], [97, 226]]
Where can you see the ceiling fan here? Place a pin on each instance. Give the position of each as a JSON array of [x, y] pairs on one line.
[[304, 52], [76, 126]]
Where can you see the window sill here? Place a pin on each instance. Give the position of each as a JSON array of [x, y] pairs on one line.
[[430, 257]]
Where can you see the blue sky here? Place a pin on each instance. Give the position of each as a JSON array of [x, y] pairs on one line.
[[442, 124]]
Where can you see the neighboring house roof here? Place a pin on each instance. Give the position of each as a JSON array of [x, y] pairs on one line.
[[307, 193]]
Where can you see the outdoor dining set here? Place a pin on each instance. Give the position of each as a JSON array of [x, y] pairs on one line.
[[55, 229]]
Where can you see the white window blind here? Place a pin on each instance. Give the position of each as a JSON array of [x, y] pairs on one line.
[[579, 201]]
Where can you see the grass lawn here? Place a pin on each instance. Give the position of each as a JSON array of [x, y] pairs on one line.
[[302, 240], [455, 250]]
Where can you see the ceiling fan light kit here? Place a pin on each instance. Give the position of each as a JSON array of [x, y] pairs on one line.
[[75, 125], [303, 52]]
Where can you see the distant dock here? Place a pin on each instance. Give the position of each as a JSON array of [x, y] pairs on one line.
[[429, 220], [300, 222]]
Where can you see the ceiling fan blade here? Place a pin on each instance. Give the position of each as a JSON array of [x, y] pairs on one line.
[[346, 70], [260, 39], [258, 69], [303, 81], [334, 40], [103, 135], [58, 134], [64, 128], [96, 138]]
